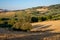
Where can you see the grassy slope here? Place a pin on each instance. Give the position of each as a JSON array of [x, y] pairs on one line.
[[55, 25], [35, 36]]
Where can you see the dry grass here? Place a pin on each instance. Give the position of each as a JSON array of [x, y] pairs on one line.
[[54, 25], [38, 35], [7, 14]]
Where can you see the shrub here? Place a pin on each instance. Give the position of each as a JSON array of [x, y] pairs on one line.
[[43, 18], [17, 25], [5, 25], [5, 19], [49, 17], [34, 19], [56, 19], [24, 27]]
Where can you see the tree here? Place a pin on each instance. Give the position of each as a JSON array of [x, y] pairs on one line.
[[43, 18], [23, 22], [34, 19]]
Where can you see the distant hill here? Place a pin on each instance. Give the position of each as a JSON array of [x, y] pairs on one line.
[[52, 10], [3, 10], [39, 8]]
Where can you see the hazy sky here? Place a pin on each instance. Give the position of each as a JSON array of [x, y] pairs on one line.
[[22, 4]]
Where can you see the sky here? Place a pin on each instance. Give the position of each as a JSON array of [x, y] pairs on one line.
[[23, 4]]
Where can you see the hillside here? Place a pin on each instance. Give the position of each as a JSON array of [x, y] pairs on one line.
[[21, 19], [49, 32], [36, 23], [52, 26], [52, 10]]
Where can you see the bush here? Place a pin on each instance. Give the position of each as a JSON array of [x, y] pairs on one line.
[[34, 19], [24, 27], [49, 17], [5, 19], [56, 19], [5, 25], [43, 18], [16, 25]]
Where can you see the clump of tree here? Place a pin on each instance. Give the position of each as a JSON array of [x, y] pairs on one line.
[[22, 27], [22, 22]]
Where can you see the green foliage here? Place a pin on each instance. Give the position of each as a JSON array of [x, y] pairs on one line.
[[26, 26], [36, 13], [17, 25], [49, 17], [5, 25], [34, 19], [43, 18]]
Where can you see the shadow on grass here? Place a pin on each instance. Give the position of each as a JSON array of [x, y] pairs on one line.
[[39, 35], [5, 25]]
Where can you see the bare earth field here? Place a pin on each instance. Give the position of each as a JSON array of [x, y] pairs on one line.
[[47, 30]]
